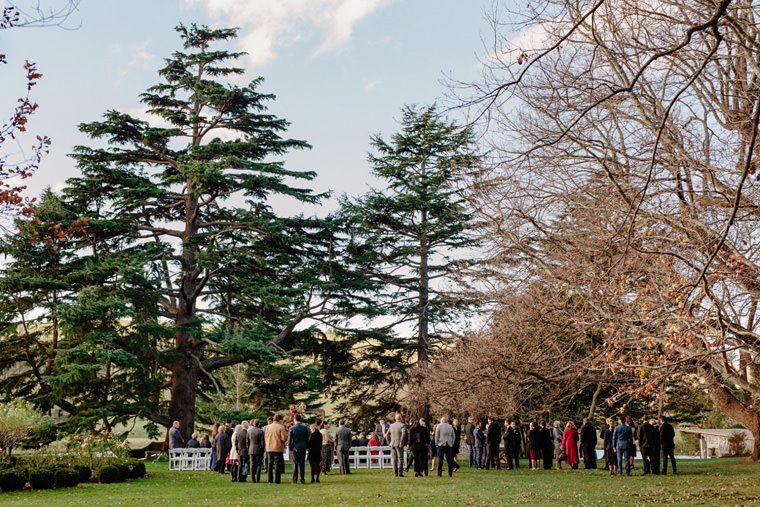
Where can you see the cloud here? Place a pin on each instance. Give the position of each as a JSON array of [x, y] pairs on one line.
[[139, 57], [369, 85], [267, 25]]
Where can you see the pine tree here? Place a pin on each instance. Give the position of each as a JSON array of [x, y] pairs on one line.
[[238, 281], [416, 230]]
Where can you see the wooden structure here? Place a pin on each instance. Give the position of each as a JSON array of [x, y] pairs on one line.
[[716, 440]]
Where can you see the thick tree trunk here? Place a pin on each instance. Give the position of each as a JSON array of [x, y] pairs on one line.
[[185, 372]]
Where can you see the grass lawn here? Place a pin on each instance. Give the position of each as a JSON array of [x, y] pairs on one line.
[[710, 482]]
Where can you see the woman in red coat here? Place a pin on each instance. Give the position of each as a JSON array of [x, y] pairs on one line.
[[570, 443]]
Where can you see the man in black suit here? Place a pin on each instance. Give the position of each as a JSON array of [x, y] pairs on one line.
[[256, 448], [298, 442], [493, 437], [649, 444], [667, 437], [512, 444], [588, 444]]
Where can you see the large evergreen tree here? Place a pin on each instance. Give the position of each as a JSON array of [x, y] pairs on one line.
[[416, 229], [238, 282]]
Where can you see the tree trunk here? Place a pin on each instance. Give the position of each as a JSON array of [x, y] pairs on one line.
[[726, 402], [185, 372]]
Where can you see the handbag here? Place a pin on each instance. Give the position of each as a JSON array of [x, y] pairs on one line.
[[563, 454], [247, 469], [227, 461]]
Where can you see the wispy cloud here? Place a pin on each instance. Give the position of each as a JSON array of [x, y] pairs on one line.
[[369, 85], [267, 25], [140, 57]]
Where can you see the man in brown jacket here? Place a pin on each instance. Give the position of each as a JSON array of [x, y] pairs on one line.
[[275, 438]]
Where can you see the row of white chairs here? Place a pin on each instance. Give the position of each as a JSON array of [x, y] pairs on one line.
[[189, 459], [358, 457]]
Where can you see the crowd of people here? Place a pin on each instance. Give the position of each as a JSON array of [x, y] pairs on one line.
[[247, 449]]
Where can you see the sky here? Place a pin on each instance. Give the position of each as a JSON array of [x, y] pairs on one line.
[[341, 69]]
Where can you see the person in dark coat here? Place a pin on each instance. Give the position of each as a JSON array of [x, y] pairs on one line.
[[241, 444], [493, 437], [298, 443], [469, 440], [610, 460], [622, 439], [512, 444], [649, 443], [667, 444], [457, 442], [588, 444], [419, 440], [315, 452], [534, 446], [175, 437], [193, 442], [221, 447], [547, 446], [256, 446]]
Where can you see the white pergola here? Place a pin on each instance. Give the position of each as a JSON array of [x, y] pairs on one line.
[[717, 438]]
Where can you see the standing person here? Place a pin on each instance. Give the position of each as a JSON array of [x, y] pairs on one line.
[[534, 446], [515, 443], [175, 437], [396, 441], [588, 444], [214, 431], [275, 438], [327, 450], [610, 458], [480, 445], [547, 445], [419, 440], [457, 442], [381, 429], [667, 442], [559, 448], [604, 435], [241, 442], [342, 445], [298, 442], [570, 441], [270, 419], [222, 446], [315, 452], [234, 467], [622, 438], [433, 450], [648, 442], [256, 446], [493, 437], [469, 440], [444, 440]]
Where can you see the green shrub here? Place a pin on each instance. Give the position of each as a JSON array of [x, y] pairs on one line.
[[109, 474], [139, 469], [12, 480], [84, 472], [136, 469], [66, 478], [42, 479], [123, 470]]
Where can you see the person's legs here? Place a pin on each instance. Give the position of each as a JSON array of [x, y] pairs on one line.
[[470, 455], [441, 449], [279, 466], [450, 460], [270, 465]]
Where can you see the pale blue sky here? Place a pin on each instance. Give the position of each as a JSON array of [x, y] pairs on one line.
[[341, 69]]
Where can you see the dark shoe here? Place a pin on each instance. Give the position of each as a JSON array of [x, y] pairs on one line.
[[400, 475]]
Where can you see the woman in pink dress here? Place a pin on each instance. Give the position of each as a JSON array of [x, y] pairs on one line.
[[570, 443]]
